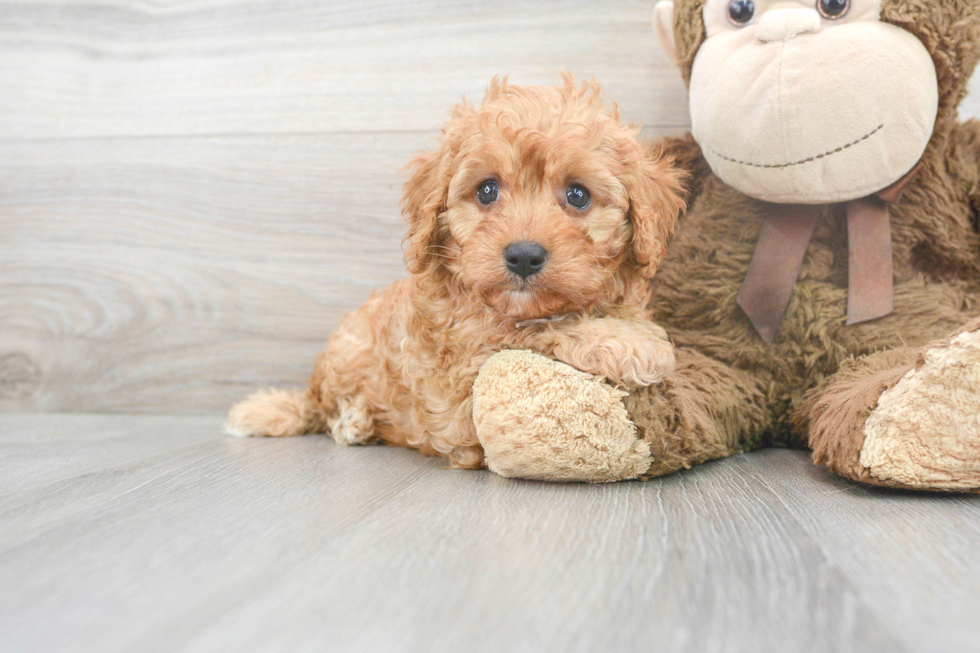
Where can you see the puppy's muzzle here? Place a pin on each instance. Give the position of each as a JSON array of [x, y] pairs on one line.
[[525, 259]]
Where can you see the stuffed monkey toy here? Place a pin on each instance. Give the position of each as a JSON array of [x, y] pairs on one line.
[[823, 287]]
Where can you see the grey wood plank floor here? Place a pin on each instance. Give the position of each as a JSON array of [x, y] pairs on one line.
[[157, 534]]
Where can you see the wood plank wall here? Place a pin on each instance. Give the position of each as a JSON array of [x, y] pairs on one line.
[[193, 192]]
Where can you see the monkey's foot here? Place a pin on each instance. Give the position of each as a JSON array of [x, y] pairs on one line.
[[925, 431]]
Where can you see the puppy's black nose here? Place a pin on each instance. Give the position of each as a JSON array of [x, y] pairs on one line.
[[525, 259]]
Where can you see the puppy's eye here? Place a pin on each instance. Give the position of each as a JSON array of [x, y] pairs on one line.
[[488, 192], [741, 12], [833, 9], [577, 196]]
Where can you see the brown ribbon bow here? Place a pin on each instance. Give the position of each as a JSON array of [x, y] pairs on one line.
[[782, 245]]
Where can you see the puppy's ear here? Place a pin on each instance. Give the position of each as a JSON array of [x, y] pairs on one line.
[[656, 192], [423, 200]]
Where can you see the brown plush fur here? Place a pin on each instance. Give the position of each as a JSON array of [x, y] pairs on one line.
[[818, 382], [687, 421], [402, 367]]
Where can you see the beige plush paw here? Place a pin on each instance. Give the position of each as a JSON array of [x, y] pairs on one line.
[[925, 431], [540, 419]]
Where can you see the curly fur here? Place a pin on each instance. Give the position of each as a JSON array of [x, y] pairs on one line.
[[402, 367]]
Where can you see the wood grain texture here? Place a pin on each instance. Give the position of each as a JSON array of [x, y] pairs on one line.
[[905, 540], [176, 274], [89, 68], [155, 534]]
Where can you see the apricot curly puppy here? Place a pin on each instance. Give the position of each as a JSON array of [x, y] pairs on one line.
[[536, 224]]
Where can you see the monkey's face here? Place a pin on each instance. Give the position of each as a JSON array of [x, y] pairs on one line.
[[810, 101]]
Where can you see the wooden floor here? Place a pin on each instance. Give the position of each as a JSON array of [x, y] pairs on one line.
[[157, 534]]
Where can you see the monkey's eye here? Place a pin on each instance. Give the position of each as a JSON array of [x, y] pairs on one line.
[[577, 196], [488, 192], [833, 9], [741, 12]]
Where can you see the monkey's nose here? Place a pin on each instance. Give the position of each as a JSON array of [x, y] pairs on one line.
[[525, 259], [785, 24]]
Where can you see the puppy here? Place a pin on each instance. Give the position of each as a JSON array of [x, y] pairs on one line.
[[536, 224]]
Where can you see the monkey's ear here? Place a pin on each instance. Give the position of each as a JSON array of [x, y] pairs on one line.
[[423, 200], [663, 25], [656, 192]]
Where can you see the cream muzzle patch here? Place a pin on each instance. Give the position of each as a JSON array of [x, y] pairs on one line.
[[780, 121]]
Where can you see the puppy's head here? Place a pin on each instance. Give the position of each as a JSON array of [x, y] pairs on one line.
[[540, 203]]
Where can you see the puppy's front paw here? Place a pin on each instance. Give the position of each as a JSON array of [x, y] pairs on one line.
[[635, 358]]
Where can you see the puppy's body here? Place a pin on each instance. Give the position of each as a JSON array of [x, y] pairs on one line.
[[500, 258]]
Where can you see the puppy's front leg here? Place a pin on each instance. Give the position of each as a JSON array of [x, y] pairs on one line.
[[632, 352]]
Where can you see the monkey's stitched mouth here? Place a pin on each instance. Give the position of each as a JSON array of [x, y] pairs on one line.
[[801, 162]]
